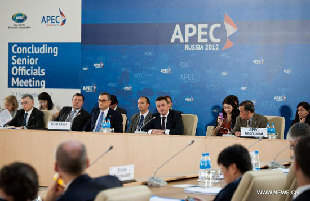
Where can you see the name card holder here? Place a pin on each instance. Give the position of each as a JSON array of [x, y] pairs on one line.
[[123, 173], [253, 132], [58, 125]]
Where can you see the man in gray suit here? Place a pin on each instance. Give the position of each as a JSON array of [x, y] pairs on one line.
[[138, 120], [248, 118]]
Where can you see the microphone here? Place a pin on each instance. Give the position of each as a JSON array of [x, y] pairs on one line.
[[139, 129], [156, 181], [104, 153], [254, 143], [274, 163]]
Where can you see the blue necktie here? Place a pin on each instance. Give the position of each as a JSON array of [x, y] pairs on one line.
[[141, 121], [99, 122], [25, 119]]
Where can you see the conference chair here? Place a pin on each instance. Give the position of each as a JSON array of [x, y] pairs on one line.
[[124, 122], [209, 131], [260, 185], [47, 116], [290, 184], [279, 124], [190, 123], [128, 193]]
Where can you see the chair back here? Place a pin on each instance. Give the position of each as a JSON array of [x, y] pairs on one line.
[[260, 185], [290, 184], [279, 124], [128, 193], [190, 123], [209, 131], [47, 116], [124, 122]]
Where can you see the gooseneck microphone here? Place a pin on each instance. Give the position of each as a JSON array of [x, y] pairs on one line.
[[274, 163], [139, 129], [104, 153], [254, 143], [156, 181]]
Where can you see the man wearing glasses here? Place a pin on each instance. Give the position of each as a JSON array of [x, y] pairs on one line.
[[76, 115], [29, 117], [105, 113]]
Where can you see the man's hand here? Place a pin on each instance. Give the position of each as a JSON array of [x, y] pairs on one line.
[[54, 191], [158, 132], [237, 134]]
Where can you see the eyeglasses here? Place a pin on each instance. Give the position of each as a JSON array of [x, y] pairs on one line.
[[102, 100], [24, 103]]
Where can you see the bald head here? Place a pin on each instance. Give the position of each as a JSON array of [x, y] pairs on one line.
[[71, 157]]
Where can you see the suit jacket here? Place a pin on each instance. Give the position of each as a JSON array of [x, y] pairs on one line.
[[228, 191], [174, 123], [305, 196], [85, 188], [121, 110], [258, 121], [115, 117], [135, 121], [35, 120], [80, 121]]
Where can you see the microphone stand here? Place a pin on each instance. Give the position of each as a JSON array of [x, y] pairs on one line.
[[104, 153], [274, 163]]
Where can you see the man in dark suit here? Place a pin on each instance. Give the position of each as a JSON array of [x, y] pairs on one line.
[[170, 103], [76, 115], [166, 121], [248, 118], [138, 120], [114, 105], [105, 113], [71, 163], [302, 169], [29, 117], [234, 161]]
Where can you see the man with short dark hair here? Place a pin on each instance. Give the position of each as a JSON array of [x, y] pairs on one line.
[[76, 115], [71, 163], [29, 117], [234, 161], [302, 166], [170, 103], [105, 113], [114, 105], [248, 118], [138, 120], [166, 121], [18, 182]]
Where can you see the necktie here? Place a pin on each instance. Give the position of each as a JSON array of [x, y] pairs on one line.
[[25, 119], [141, 122], [163, 125], [97, 129], [247, 123], [70, 116]]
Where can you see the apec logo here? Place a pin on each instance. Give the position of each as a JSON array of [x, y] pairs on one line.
[[19, 17], [54, 20], [91, 88]]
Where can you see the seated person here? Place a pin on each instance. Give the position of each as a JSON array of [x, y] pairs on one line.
[[226, 123], [76, 115], [166, 121], [46, 103], [29, 117], [138, 120], [302, 168], [104, 112], [11, 104], [234, 161], [302, 113], [248, 118], [18, 182], [114, 105], [170, 103], [71, 163]]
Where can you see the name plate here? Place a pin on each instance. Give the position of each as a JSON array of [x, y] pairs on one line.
[[58, 125], [123, 173], [253, 132]]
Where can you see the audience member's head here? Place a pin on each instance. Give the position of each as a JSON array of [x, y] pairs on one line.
[[169, 101], [302, 112], [302, 161], [77, 101], [246, 110], [27, 102], [71, 160], [18, 182], [104, 100], [114, 102], [234, 161], [10, 103], [45, 101], [162, 105], [297, 131], [143, 104]]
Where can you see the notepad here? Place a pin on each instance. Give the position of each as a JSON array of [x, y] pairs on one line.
[[203, 190]]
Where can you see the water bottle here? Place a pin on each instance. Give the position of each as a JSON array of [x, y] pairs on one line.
[[202, 169], [105, 126], [256, 163], [268, 129], [208, 166], [273, 131]]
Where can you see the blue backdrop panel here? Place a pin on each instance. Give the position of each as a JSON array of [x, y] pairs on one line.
[[127, 51]]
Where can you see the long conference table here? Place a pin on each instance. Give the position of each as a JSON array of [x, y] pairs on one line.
[[146, 152]]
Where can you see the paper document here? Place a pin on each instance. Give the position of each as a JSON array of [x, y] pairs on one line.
[[203, 190], [5, 117], [157, 198], [184, 185]]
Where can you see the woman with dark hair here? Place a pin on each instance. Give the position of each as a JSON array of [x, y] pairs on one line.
[[227, 118], [45, 101], [302, 113]]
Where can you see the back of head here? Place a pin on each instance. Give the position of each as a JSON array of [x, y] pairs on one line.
[[298, 130], [248, 106], [20, 181], [71, 157], [301, 156], [235, 154]]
